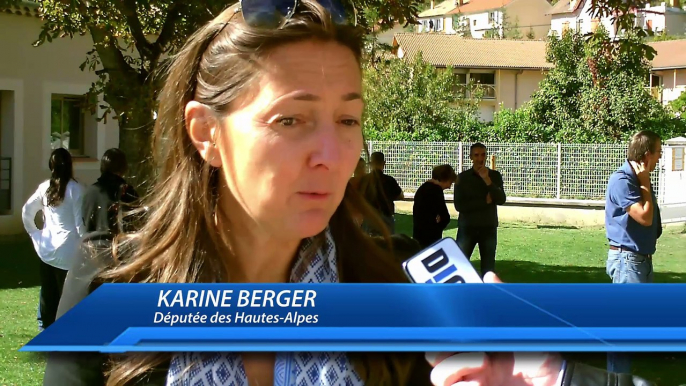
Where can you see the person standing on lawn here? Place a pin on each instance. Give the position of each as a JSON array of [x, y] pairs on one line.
[[632, 221], [430, 213], [381, 191], [478, 192], [59, 198]]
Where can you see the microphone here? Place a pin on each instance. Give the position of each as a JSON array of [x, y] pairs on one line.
[[441, 262]]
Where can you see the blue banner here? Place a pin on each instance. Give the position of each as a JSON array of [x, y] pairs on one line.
[[372, 317]]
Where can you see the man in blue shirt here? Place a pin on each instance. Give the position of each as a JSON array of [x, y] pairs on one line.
[[632, 222]]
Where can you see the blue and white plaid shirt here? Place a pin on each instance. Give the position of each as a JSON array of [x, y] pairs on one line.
[[290, 369]]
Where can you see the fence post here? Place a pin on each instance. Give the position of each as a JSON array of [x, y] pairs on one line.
[[559, 170], [459, 158]]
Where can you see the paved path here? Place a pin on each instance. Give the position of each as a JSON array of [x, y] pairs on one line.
[[673, 213]]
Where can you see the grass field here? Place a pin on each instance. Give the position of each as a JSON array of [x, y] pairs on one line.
[[526, 253]]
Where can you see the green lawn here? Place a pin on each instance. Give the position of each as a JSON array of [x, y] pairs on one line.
[[526, 253]]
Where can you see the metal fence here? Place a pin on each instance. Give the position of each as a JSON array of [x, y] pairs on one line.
[[5, 185], [530, 170]]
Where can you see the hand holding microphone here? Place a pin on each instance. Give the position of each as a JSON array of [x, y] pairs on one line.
[[444, 262], [498, 369]]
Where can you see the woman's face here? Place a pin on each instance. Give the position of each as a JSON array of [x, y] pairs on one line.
[[287, 154]]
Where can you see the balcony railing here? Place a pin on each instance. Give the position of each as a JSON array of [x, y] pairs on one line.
[[485, 91], [5, 185]]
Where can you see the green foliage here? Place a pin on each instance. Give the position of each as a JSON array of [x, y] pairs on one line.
[[133, 40], [412, 101], [623, 15], [679, 105], [461, 26], [595, 94], [662, 37], [511, 29]]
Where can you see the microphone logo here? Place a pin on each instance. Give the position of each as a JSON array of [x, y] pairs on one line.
[[441, 270]]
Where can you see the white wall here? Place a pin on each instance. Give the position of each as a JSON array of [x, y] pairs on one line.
[[583, 14], [674, 181], [32, 74], [482, 23]]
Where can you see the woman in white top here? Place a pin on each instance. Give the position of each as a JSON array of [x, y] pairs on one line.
[[56, 244]]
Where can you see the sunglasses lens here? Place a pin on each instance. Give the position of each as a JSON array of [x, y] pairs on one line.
[[336, 9], [271, 13], [266, 13]]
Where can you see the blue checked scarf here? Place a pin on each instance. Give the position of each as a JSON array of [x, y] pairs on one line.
[[290, 369]]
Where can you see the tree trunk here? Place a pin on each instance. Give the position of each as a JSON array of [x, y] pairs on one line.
[[135, 132]]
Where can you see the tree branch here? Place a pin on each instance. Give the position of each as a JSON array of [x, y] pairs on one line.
[[128, 9], [167, 31], [113, 62]]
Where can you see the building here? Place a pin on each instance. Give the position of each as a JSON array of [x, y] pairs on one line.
[[669, 70], [508, 70], [476, 18], [576, 14], [42, 95]]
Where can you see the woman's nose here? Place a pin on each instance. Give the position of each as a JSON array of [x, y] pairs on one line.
[[327, 147]]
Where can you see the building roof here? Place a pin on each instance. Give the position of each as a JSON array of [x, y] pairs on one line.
[[476, 6], [440, 9], [442, 50], [23, 8], [670, 54], [562, 6]]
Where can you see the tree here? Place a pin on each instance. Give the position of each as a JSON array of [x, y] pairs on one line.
[[531, 35], [510, 30], [592, 96], [410, 100], [132, 41], [679, 105], [461, 26]]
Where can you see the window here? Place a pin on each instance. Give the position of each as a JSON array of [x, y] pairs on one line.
[[67, 121], [653, 80], [439, 24], [474, 21], [678, 159], [580, 25], [594, 24], [460, 88], [483, 78], [565, 26], [491, 18]]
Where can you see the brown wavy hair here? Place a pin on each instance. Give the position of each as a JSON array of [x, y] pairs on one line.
[[179, 241]]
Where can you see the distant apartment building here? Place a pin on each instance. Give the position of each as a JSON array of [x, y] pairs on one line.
[[666, 18], [507, 71], [476, 18]]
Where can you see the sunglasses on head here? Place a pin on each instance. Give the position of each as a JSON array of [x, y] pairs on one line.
[[276, 13]]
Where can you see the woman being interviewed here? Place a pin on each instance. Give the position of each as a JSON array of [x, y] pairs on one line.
[[259, 131]]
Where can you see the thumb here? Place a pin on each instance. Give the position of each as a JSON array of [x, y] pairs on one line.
[[491, 277]]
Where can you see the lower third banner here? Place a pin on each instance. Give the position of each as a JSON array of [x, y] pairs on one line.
[[372, 317]]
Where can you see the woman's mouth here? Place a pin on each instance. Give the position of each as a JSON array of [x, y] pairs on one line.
[[317, 196]]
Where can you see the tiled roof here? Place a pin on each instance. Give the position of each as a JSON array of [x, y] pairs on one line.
[[476, 6], [670, 54], [24, 8], [443, 50], [562, 6]]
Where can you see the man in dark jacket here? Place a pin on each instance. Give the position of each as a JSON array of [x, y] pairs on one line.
[[430, 214], [102, 209], [478, 192], [381, 190]]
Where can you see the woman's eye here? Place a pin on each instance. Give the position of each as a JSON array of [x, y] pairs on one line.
[[350, 122], [287, 121]]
